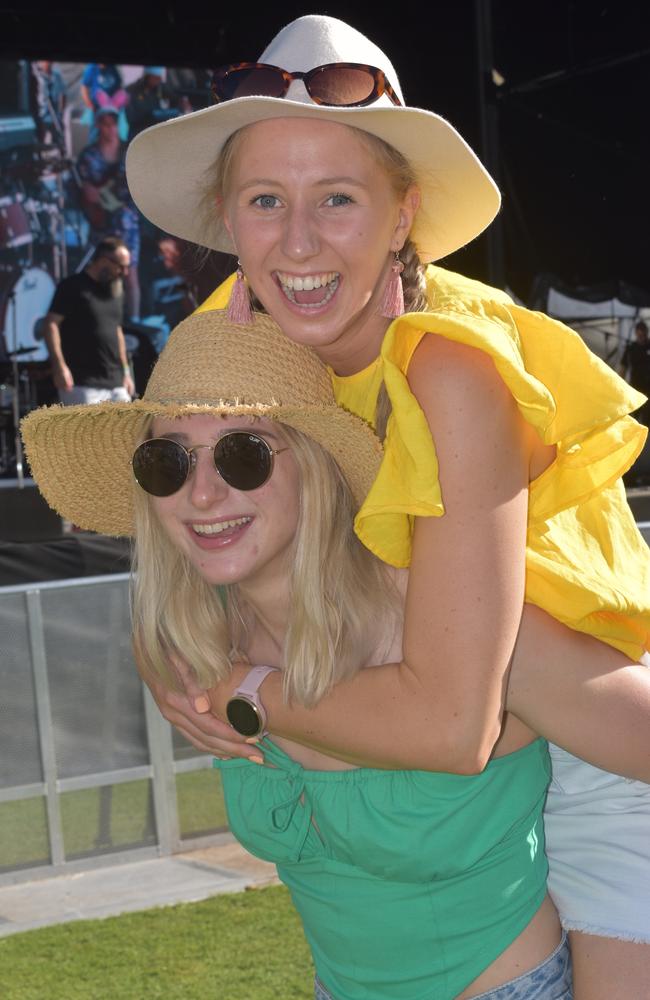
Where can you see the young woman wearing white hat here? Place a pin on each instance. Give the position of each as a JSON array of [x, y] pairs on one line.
[[531, 432], [238, 469]]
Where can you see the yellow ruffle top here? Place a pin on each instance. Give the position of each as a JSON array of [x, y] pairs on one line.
[[586, 563]]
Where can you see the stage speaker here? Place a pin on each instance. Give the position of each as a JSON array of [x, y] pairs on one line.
[[25, 517]]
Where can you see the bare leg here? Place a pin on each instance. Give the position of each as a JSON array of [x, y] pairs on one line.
[[608, 969], [581, 694], [591, 700]]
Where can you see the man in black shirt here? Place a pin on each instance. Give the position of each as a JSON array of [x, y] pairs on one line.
[[636, 359], [83, 330]]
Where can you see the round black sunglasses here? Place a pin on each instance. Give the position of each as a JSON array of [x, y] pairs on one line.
[[162, 465]]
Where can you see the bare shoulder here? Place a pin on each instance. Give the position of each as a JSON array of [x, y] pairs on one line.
[[445, 370], [460, 389], [472, 414]]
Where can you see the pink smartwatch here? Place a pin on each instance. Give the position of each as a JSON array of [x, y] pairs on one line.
[[245, 711]]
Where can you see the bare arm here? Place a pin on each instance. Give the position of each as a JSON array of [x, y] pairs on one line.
[[441, 706], [85, 95], [569, 687], [581, 694], [124, 359], [61, 374]]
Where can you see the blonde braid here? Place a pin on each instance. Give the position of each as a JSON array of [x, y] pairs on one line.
[[413, 279], [415, 300]]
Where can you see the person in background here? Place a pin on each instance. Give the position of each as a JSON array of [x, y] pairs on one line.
[[152, 101], [192, 87], [635, 366], [83, 330], [101, 85], [106, 201], [48, 101]]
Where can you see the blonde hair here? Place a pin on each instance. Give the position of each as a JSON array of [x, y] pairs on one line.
[[341, 595]]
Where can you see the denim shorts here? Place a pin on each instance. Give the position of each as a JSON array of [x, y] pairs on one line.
[[551, 980]]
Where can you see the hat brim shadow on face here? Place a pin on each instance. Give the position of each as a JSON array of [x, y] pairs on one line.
[[167, 167], [80, 456]]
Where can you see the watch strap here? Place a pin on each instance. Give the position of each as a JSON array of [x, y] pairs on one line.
[[252, 681]]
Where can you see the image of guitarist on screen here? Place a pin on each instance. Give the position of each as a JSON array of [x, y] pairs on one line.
[[105, 197]]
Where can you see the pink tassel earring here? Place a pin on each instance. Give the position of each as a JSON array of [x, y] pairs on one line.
[[239, 304], [393, 302]]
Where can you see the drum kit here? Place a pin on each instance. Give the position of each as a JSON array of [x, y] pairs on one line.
[[38, 229]]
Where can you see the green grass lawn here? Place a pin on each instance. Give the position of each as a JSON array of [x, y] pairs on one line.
[[247, 946]]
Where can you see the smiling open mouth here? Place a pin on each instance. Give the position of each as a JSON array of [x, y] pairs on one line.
[[312, 290], [218, 527]]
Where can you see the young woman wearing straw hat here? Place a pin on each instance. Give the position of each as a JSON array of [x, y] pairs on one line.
[[238, 469], [502, 421]]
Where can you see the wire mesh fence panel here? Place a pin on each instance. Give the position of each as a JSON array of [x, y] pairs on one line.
[[201, 808], [24, 840], [20, 759], [108, 818], [95, 693], [86, 768]]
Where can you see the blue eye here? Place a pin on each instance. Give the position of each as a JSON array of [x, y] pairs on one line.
[[338, 200], [266, 201]]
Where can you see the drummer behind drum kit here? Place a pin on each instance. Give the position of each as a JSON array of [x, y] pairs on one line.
[[36, 230]]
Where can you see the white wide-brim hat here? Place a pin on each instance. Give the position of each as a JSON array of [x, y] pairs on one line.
[[167, 164]]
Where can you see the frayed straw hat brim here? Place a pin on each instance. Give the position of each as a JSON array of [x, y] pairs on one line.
[[80, 456]]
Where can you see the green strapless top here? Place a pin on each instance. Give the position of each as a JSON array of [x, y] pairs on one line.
[[408, 883]]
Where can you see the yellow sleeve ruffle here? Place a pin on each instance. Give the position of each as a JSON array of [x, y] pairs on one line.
[[587, 563]]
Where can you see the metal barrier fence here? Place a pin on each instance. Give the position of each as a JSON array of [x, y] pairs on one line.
[[90, 773]]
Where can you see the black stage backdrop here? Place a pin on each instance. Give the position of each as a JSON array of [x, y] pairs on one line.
[[566, 104]]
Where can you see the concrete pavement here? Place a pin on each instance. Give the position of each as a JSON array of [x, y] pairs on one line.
[[124, 888]]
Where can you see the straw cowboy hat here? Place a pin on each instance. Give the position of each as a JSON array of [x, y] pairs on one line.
[[80, 456], [166, 164]]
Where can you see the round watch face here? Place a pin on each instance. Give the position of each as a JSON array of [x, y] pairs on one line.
[[244, 717]]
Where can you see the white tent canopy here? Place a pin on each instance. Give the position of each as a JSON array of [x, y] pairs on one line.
[[603, 315]]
